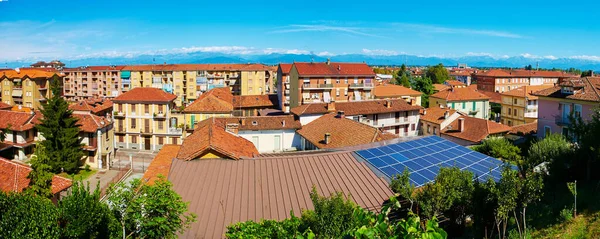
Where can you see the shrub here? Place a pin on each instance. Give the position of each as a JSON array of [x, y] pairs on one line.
[[566, 215]]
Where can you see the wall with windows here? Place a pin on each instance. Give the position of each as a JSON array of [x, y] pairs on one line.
[[268, 141], [553, 114]]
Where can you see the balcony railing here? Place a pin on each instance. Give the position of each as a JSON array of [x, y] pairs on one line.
[[159, 115], [119, 114], [361, 86], [175, 131], [317, 86], [146, 131], [562, 120]]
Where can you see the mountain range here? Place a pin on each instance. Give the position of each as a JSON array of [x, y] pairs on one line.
[[275, 58]]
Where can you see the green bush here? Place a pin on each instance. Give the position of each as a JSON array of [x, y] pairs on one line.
[[566, 215]]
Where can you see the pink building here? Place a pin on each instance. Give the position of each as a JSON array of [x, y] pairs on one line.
[[574, 96]]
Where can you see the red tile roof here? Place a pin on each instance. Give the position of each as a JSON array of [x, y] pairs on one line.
[[475, 130], [440, 87], [523, 73], [217, 100], [210, 137], [526, 91], [589, 92], [393, 91], [94, 68], [460, 94], [255, 101], [223, 192], [454, 83], [145, 95], [524, 129], [4, 106], [27, 73], [285, 68], [18, 121], [90, 123], [13, 178], [356, 107], [436, 114], [344, 132], [261, 122], [333, 69], [161, 164]]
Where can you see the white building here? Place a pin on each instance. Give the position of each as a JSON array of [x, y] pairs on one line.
[[269, 134]]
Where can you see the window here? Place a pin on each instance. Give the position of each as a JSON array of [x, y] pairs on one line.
[[509, 111], [133, 108], [160, 124], [133, 123], [337, 92], [474, 105], [515, 112], [337, 81], [160, 140], [174, 140], [435, 130], [28, 83], [412, 127], [428, 129], [515, 101], [453, 106], [134, 139], [277, 143], [121, 138], [577, 110], [346, 92], [146, 108], [5, 82], [28, 93]]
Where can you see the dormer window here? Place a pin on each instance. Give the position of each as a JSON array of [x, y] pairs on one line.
[[566, 90]]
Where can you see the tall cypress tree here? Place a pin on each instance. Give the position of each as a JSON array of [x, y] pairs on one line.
[[61, 133]]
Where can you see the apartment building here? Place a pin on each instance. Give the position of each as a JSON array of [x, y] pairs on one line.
[[498, 80], [312, 82], [283, 86], [54, 64], [144, 121], [462, 75], [189, 81], [519, 106], [20, 133], [27, 87], [394, 116], [575, 97], [92, 81], [97, 131], [466, 100]]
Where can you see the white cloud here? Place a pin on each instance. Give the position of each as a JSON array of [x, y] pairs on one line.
[[379, 52], [325, 53], [530, 56], [480, 54], [586, 57], [425, 28], [324, 28], [550, 57]]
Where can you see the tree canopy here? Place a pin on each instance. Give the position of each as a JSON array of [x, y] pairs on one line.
[[438, 74]]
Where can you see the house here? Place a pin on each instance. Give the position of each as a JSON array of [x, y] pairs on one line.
[[500, 80], [96, 106], [20, 133], [55, 64], [312, 82], [283, 86], [87, 82], [13, 178], [268, 133], [393, 116], [519, 106], [336, 131], [389, 91], [220, 102], [462, 75], [455, 83], [27, 87], [468, 131], [466, 100], [521, 133], [435, 119], [97, 135], [144, 121], [573, 97], [439, 87], [211, 140], [5, 106]]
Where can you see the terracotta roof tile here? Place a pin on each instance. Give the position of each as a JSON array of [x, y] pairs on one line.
[[198, 67], [145, 94], [94, 68], [475, 130], [589, 92], [4, 106], [393, 91], [333, 69], [217, 100], [18, 121], [436, 114], [440, 87], [526, 91], [344, 132], [356, 107], [223, 192], [161, 164], [285, 68], [255, 101], [523, 73], [27, 73], [212, 137], [454, 83], [261, 122], [90, 123], [524, 129], [460, 94], [13, 178]]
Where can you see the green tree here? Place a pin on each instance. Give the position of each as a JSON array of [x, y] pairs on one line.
[[438, 74], [547, 150], [27, 216], [82, 215], [331, 217], [499, 147], [587, 73], [507, 194], [529, 67], [405, 81], [40, 177], [424, 85], [152, 211], [61, 133], [586, 132], [531, 191], [401, 185], [484, 203]]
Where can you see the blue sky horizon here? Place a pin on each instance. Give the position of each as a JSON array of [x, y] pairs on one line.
[[62, 29]]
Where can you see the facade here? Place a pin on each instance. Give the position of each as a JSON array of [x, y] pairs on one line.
[[519, 106], [462, 75], [55, 64], [21, 134], [269, 134], [283, 86], [27, 87], [97, 131], [433, 120], [575, 97], [143, 119], [466, 100], [330, 81], [387, 91], [393, 116], [87, 82], [189, 81], [498, 80]]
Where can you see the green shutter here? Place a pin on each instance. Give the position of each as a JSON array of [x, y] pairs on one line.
[[453, 106], [464, 105], [474, 104], [193, 121]]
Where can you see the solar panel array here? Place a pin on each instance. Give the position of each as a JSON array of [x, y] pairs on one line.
[[425, 156]]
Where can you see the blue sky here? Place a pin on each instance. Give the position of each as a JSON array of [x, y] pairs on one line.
[[32, 29]]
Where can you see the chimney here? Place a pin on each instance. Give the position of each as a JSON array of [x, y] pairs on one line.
[[413, 102], [446, 114], [331, 106], [340, 114], [283, 123], [388, 104], [328, 61], [243, 121], [327, 139], [339, 67], [425, 111], [461, 124]]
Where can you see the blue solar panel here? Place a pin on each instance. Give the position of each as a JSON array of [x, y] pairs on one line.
[[425, 156]]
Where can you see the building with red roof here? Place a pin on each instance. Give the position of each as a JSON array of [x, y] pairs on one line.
[[312, 82], [13, 178], [500, 80], [82, 83], [27, 87], [283, 86], [466, 100], [20, 133]]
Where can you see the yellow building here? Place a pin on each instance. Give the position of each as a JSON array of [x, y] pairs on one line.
[[466, 100], [519, 106], [189, 81], [144, 121], [27, 87]]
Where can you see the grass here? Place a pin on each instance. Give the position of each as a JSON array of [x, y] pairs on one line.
[[83, 174], [583, 226]]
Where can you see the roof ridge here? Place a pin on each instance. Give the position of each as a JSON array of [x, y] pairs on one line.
[[592, 85]]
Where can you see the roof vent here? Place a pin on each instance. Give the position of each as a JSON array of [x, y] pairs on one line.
[[340, 114], [328, 61], [327, 139], [254, 123]]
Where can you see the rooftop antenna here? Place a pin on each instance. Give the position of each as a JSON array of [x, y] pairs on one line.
[[537, 65]]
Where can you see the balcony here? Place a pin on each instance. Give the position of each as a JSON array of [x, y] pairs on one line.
[[146, 131], [160, 115], [361, 86], [175, 131], [562, 120], [317, 86], [119, 114], [473, 112]]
